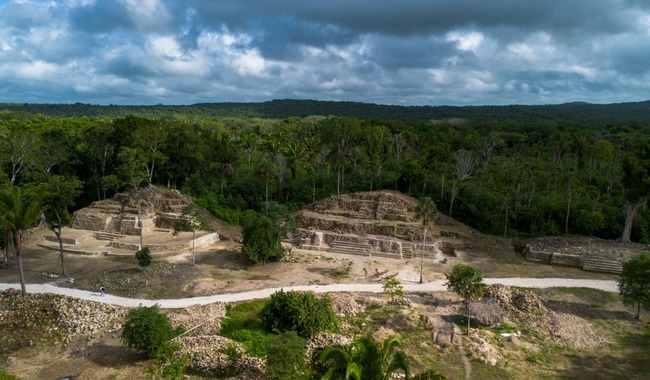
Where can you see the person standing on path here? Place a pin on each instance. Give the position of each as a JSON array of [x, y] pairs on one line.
[[101, 291]]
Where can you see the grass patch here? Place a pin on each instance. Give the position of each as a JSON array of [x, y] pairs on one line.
[[6, 375], [543, 356], [242, 324], [593, 296], [504, 328]]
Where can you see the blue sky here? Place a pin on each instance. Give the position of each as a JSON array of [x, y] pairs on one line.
[[407, 52]]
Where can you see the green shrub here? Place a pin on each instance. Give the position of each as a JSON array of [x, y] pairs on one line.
[[286, 356], [144, 256], [261, 241], [301, 312], [148, 330], [393, 287]]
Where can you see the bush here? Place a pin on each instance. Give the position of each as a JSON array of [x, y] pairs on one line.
[[144, 256], [301, 312], [148, 330], [286, 356], [393, 287], [260, 242]]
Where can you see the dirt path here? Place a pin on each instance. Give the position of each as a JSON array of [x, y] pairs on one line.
[[463, 356], [434, 286]]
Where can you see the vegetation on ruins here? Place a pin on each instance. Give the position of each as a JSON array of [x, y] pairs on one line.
[[301, 312], [467, 282], [634, 284], [365, 359], [148, 330]]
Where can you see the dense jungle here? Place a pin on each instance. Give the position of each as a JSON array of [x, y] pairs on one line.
[[513, 171]]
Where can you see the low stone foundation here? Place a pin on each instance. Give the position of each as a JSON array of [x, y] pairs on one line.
[[379, 246]]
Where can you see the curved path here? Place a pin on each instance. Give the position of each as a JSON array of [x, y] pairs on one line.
[[434, 286]]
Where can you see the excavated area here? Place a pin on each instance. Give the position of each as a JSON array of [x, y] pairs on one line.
[[376, 223]]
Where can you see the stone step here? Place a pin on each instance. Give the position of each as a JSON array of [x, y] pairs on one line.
[[606, 266], [348, 247], [108, 236]]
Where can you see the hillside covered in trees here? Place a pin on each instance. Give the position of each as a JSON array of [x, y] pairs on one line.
[[280, 109], [516, 171]]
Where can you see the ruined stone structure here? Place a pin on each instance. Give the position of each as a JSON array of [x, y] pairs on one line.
[[379, 223], [159, 208], [115, 222], [588, 253]]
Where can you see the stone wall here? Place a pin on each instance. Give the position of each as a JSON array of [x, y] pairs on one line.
[[367, 205], [322, 240]]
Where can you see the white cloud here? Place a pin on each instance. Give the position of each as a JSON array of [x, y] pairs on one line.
[[468, 41], [37, 70]]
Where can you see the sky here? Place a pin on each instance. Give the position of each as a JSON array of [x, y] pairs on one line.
[[406, 52]]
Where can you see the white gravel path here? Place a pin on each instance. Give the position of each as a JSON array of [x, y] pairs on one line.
[[434, 286]]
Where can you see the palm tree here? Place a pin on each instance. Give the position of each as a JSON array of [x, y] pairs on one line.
[[16, 215], [365, 359], [425, 212]]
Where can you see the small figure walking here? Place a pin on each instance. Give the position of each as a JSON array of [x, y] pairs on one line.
[[101, 291]]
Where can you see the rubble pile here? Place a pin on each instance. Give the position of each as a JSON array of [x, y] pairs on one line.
[[220, 356], [322, 340], [559, 328], [345, 305], [515, 303], [62, 317], [480, 348], [202, 319]]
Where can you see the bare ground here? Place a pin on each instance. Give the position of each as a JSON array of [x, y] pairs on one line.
[[220, 269]]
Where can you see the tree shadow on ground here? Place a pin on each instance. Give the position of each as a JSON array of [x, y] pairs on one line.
[[588, 311], [110, 356]]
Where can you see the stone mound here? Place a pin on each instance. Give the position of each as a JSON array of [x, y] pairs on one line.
[[159, 208], [62, 317], [345, 305], [559, 328], [375, 223], [219, 356], [202, 319]]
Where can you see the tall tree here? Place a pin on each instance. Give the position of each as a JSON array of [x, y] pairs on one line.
[[150, 138], [636, 180], [425, 212], [18, 212], [467, 282], [365, 359], [634, 284], [59, 194], [464, 165]]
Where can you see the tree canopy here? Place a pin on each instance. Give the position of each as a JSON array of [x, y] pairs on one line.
[[634, 284], [467, 282]]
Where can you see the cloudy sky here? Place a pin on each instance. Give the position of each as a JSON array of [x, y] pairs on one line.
[[406, 52]]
